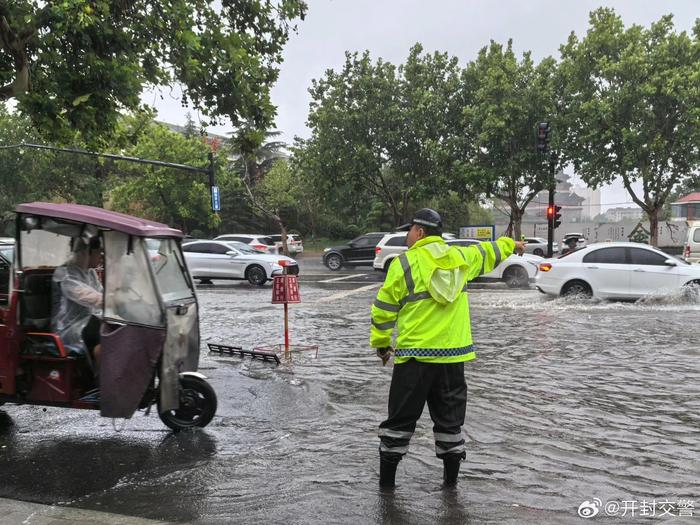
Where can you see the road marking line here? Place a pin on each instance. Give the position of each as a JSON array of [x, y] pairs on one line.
[[343, 277], [341, 295]]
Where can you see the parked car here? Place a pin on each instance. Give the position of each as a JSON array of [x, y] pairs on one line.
[[261, 243], [691, 250], [294, 243], [391, 246], [515, 271], [209, 260], [358, 252], [615, 270], [538, 246]]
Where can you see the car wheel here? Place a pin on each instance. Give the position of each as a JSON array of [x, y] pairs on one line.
[[691, 290], [577, 288], [256, 275], [334, 262], [387, 264], [538, 251], [516, 276]]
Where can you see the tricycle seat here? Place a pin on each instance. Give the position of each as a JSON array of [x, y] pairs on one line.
[[47, 344], [36, 298]]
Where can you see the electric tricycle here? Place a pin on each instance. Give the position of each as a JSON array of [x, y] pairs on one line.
[[148, 320]]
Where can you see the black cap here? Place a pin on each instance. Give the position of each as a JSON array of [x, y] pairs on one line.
[[423, 217]]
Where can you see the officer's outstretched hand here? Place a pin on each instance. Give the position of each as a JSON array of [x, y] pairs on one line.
[[520, 247], [384, 354]]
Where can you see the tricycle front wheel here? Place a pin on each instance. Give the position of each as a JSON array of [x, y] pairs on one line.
[[197, 405]]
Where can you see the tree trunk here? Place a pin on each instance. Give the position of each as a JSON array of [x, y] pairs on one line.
[[284, 249], [654, 226], [516, 217]]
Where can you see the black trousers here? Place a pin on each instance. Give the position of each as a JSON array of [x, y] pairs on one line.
[[91, 333], [412, 384]]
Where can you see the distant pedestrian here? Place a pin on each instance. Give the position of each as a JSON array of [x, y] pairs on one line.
[[424, 297]]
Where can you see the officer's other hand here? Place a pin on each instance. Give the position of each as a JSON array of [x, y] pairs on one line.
[[520, 247], [384, 354]]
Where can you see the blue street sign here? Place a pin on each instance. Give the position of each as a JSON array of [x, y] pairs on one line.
[[215, 200]]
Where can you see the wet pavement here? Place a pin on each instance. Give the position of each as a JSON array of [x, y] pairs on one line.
[[568, 401]]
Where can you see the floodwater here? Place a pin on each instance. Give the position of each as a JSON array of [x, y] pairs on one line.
[[568, 401]]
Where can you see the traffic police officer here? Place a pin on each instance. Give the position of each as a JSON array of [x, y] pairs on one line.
[[424, 297]]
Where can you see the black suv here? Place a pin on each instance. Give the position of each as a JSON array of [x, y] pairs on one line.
[[358, 252]]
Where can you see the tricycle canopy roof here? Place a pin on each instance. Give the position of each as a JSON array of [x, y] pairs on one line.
[[101, 218]]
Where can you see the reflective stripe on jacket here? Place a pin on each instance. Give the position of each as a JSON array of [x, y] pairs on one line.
[[424, 296]]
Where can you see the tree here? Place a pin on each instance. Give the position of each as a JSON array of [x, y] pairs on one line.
[[76, 64], [275, 193], [394, 134], [351, 115], [511, 97], [632, 107]]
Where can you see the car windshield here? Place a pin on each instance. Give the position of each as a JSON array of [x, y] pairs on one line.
[[241, 247]]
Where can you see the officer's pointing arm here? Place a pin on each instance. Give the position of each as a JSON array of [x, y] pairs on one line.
[[484, 257]]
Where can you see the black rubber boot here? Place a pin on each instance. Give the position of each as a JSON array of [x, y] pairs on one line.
[[450, 470], [387, 473]]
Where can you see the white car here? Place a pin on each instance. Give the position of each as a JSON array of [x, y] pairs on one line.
[[691, 250], [515, 271], [615, 270], [261, 243], [209, 260], [538, 246], [294, 243]]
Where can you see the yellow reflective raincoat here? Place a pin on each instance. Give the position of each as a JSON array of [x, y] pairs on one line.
[[425, 297]]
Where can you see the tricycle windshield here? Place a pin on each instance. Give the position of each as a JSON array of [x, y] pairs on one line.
[[130, 293], [169, 270]]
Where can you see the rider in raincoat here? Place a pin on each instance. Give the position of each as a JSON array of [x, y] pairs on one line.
[[77, 298]]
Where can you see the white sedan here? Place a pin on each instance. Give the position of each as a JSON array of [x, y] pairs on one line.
[[615, 270], [516, 271], [209, 260]]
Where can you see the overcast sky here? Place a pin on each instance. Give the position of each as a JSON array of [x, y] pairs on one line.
[[388, 28]]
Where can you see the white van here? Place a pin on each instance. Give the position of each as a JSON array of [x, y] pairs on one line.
[[691, 251]]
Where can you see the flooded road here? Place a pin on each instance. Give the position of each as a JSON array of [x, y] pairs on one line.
[[568, 401]]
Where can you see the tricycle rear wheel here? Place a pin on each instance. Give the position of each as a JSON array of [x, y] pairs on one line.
[[197, 405]]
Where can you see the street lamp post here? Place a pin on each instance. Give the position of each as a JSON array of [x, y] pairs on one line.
[[209, 170]]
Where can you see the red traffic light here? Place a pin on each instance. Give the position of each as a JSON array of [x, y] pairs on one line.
[[550, 212]]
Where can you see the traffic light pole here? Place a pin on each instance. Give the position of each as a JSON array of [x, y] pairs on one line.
[[550, 220]]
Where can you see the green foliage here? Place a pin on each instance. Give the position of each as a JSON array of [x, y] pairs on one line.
[[278, 189], [28, 174], [176, 197], [74, 65], [633, 106]]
